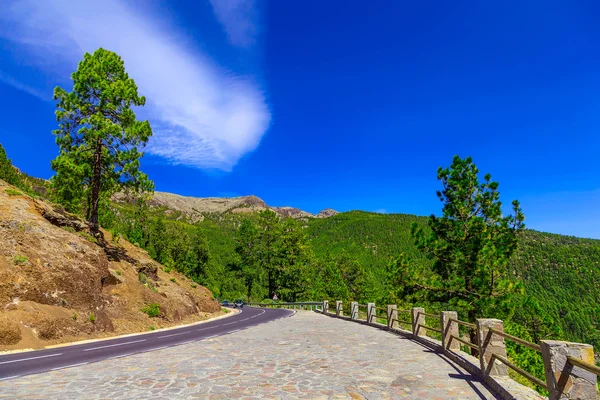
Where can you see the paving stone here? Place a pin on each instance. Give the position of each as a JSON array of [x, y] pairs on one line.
[[307, 356]]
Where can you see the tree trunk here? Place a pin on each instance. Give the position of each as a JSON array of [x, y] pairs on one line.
[[95, 199], [472, 316]]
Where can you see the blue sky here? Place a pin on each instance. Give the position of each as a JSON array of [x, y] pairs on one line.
[[348, 105]]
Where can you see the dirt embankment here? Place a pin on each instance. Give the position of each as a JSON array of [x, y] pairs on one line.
[[59, 284]]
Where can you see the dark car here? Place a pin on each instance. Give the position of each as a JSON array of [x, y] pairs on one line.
[[225, 303], [238, 304]]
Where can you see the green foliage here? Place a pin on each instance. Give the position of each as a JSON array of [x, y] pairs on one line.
[[92, 318], [152, 310], [74, 316], [173, 280], [7, 171], [20, 259], [152, 328], [118, 272], [12, 192], [471, 244], [99, 136], [142, 278]]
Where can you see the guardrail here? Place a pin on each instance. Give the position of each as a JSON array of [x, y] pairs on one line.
[[570, 371], [305, 305]]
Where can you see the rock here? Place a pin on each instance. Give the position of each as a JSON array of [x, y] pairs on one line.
[[9, 332], [63, 219]]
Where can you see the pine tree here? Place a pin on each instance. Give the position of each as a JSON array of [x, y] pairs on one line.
[[99, 136]]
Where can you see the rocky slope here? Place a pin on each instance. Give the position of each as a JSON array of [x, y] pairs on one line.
[[59, 284], [194, 207]]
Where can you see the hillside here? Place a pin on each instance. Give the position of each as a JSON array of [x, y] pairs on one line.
[[561, 274], [58, 284]]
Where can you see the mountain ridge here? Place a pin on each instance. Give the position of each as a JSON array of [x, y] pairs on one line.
[[194, 208]]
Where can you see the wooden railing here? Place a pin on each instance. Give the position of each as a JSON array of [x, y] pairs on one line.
[[306, 305], [563, 374]]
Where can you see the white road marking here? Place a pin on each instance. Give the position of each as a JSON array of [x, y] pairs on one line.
[[209, 337], [123, 355], [158, 348], [30, 358], [188, 342], [237, 330], [9, 377], [174, 334], [204, 329], [231, 323], [69, 366], [245, 319], [263, 311], [114, 345]]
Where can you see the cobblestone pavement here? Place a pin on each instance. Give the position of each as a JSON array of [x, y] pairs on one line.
[[307, 356]]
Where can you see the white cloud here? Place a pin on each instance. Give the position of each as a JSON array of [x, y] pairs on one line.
[[239, 19], [202, 115]]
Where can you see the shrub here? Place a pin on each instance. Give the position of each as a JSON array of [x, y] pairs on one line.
[[118, 272], [142, 278], [74, 316], [20, 259], [152, 328], [12, 192], [173, 280], [92, 318], [194, 286], [152, 310], [168, 269]]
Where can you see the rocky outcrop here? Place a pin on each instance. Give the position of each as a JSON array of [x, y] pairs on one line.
[[194, 208], [326, 213]]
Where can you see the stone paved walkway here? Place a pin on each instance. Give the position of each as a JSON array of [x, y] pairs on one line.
[[307, 356]]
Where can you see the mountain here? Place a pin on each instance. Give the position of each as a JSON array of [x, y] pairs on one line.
[[59, 284], [195, 208]]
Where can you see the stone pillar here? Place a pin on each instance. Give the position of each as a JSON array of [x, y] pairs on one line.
[[371, 313], [392, 315], [354, 309], [564, 380], [449, 329], [491, 343], [339, 308], [418, 319], [325, 306]]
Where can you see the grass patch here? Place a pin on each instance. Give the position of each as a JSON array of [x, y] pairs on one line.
[[168, 269], [74, 316], [194, 286], [12, 192], [69, 229], [152, 310], [142, 278], [92, 318], [88, 237], [20, 259], [173, 280], [118, 272], [226, 311], [152, 327]]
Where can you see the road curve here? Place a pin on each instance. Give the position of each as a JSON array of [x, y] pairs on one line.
[[33, 362]]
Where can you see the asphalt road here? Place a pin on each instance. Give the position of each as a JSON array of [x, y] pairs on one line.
[[33, 362]]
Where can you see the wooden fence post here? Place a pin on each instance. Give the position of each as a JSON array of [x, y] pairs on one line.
[[325, 306], [339, 308]]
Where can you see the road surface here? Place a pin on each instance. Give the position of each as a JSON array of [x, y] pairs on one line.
[[32, 362]]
